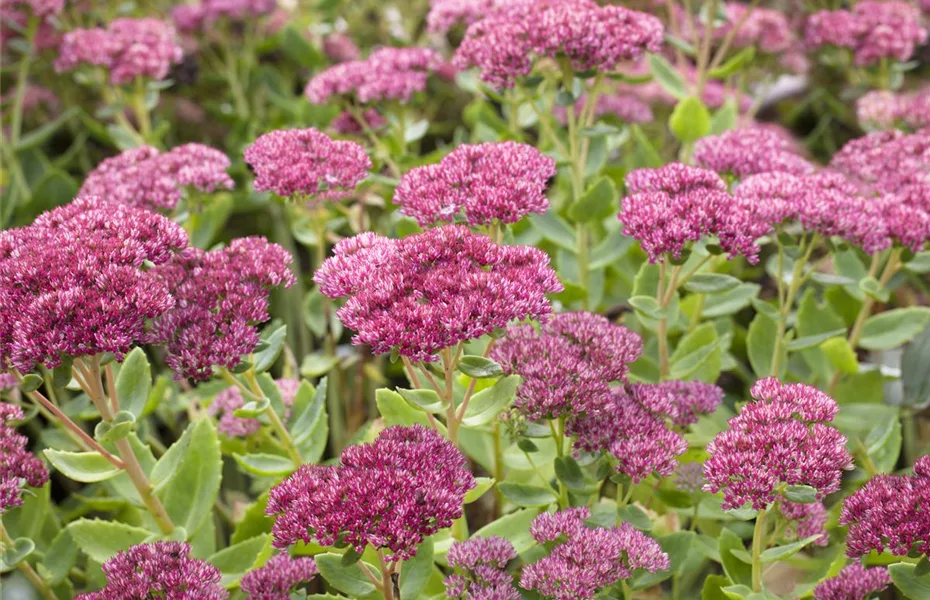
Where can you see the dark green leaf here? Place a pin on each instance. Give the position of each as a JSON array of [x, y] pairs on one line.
[[479, 367], [801, 494], [569, 472], [265, 358], [893, 328], [134, 382], [598, 201], [710, 283], [738, 571], [525, 494]]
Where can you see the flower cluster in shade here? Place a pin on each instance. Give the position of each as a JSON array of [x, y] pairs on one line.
[[430, 291], [221, 295], [306, 163], [394, 74], [889, 513], [127, 48], [480, 570], [339, 47], [739, 153], [39, 8], [406, 485], [230, 399], [505, 43], [159, 570], [804, 520], [782, 437], [765, 28], [277, 579], [854, 582], [75, 281], [34, 97], [204, 15], [494, 181], [583, 560], [347, 123], [14, 22], [670, 206], [18, 467], [872, 30], [681, 402], [155, 180], [445, 14], [625, 106], [567, 364], [884, 109]]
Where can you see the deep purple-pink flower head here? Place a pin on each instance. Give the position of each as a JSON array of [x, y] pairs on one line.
[[854, 582], [279, 576], [18, 467], [480, 570]]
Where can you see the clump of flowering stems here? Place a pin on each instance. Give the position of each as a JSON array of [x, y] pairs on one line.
[[780, 439], [424, 296], [278, 577], [854, 582], [407, 484], [480, 570]]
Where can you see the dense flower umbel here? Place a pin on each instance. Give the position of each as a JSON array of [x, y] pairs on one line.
[[480, 565], [221, 295], [884, 109], [889, 162], [227, 401], [432, 290], [387, 74], [682, 402], [73, 282], [407, 484], [743, 152], [162, 570], [306, 162], [889, 513], [278, 578], [127, 48], [585, 560], [780, 438], [205, 14], [590, 36], [676, 204], [854, 582], [872, 30], [567, 363], [156, 180], [501, 181], [18, 468]]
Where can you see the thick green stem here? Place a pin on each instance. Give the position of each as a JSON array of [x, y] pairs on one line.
[[758, 545], [141, 110], [558, 434], [909, 435], [22, 81], [786, 302], [277, 424]]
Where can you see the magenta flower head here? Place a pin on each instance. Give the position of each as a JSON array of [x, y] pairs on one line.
[[432, 290], [854, 582], [348, 124], [781, 438], [147, 178], [480, 570], [676, 204], [221, 296], [445, 14], [230, 399], [18, 467], [889, 513], [872, 30], [205, 14], [127, 48], [408, 484], [495, 181], [804, 520], [742, 152], [583, 561], [39, 8], [765, 28], [159, 570], [567, 364], [306, 163], [278, 578], [394, 74], [75, 282], [682, 402], [889, 162], [339, 48]]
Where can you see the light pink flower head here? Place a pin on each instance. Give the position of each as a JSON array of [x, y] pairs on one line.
[[854, 582], [749, 151], [873, 30], [765, 28]]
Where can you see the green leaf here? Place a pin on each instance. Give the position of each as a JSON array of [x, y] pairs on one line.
[[598, 202], [123, 423], [252, 409], [86, 467], [479, 367], [61, 557], [873, 288], [840, 355], [690, 119], [915, 376], [189, 493], [760, 346], [101, 540], [417, 571], [30, 383], [697, 349], [812, 341], [734, 64], [920, 263], [648, 306], [713, 588], [893, 328], [787, 551], [296, 47], [610, 250], [731, 301], [554, 229], [514, 527], [738, 571], [235, 560], [487, 404], [676, 545], [346, 578], [667, 76], [906, 579], [397, 411], [267, 465], [309, 421], [711, 283], [482, 485], [801, 494], [15, 554], [425, 400], [725, 117], [134, 382], [264, 358], [415, 131], [635, 516], [39, 135], [525, 494]]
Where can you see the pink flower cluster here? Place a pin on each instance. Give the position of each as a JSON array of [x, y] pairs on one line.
[[884, 109], [670, 206], [230, 399], [18, 467], [338, 47], [854, 582], [567, 365], [805, 520], [743, 152], [387, 74], [205, 14], [159, 570], [495, 181], [127, 48], [590, 36], [681, 402], [408, 484], [765, 28], [306, 162], [583, 560], [481, 574], [35, 96], [74, 283], [147, 178], [889, 513], [221, 295], [39, 8], [432, 290], [781, 438], [873, 30], [445, 14], [348, 124], [278, 578]]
